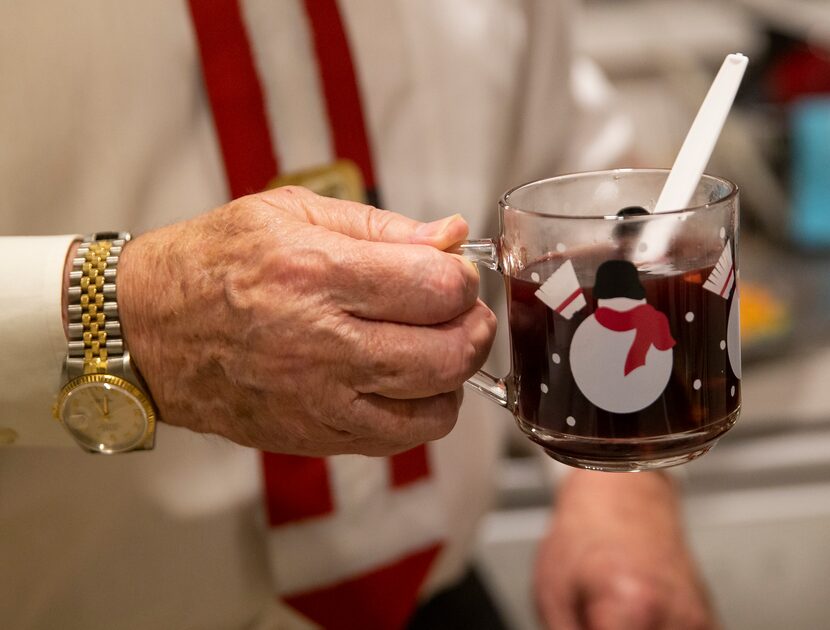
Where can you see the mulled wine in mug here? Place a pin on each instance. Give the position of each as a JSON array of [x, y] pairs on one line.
[[624, 331]]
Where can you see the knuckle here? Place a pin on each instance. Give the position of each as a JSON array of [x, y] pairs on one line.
[[490, 314], [640, 600], [473, 342], [490, 321], [447, 280], [292, 190], [379, 357], [378, 223], [456, 365], [469, 363], [446, 415], [295, 198]]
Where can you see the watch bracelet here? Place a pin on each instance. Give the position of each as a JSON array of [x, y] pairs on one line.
[[97, 355], [95, 341]]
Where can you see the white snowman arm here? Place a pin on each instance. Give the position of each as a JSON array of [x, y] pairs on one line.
[[561, 291]]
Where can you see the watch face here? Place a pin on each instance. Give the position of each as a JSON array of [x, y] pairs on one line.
[[104, 417]]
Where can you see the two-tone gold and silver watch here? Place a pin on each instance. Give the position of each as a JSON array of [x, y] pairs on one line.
[[104, 404]]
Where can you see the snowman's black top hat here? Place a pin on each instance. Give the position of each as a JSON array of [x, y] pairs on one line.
[[618, 278]]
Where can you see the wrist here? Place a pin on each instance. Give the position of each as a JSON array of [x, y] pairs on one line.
[[148, 321], [623, 493], [134, 289], [129, 284]]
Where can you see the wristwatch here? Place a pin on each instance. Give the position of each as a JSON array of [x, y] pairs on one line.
[[104, 405]]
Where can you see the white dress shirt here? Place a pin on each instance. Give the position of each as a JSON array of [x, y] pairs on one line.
[[104, 124]]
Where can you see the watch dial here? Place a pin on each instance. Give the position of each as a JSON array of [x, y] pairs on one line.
[[104, 417]]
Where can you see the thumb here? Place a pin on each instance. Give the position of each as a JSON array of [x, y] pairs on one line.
[[442, 233], [368, 223]]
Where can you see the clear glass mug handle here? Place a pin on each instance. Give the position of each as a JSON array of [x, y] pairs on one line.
[[485, 252]]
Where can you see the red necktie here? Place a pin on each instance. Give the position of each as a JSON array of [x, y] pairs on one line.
[[300, 491]]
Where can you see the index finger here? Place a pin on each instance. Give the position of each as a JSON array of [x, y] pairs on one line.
[[365, 222]]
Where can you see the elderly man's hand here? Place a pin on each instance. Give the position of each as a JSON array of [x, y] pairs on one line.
[[301, 324], [615, 558]]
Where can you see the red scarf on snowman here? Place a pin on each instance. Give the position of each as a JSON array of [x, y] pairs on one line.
[[651, 325]]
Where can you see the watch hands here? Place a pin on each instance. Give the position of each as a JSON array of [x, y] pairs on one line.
[[101, 407]]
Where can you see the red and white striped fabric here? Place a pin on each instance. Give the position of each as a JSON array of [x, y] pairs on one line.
[[350, 538]]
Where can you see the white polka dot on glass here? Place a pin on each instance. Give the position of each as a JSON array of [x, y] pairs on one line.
[[722, 344], [642, 247], [723, 232], [556, 358], [560, 247], [690, 317], [732, 391], [544, 388], [571, 421], [534, 276], [697, 383]]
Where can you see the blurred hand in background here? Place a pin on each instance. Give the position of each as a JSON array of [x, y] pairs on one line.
[[615, 558]]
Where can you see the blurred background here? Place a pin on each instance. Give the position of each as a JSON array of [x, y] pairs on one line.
[[758, 505]]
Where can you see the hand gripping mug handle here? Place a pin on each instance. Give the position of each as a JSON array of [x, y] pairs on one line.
[[485, 252]]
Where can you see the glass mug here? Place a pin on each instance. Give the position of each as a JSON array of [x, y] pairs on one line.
[[624, 330]]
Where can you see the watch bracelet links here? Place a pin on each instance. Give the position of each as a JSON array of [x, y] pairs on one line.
[[92, 310]]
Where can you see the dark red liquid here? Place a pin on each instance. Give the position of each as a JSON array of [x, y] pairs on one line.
[[537, 333]]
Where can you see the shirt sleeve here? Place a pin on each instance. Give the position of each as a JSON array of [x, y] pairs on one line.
[[32, 339]]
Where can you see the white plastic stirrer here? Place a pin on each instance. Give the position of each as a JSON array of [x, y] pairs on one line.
[[694, 154]]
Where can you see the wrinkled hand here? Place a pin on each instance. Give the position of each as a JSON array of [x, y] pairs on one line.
[[615, 558], [301, 324]]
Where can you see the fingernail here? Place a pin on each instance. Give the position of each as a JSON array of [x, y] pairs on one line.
[[435, 229]]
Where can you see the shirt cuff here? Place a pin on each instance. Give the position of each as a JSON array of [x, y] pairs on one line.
[[32, 338]]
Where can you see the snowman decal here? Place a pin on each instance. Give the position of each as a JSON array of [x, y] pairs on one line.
[[720, 282], [621, 355]]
